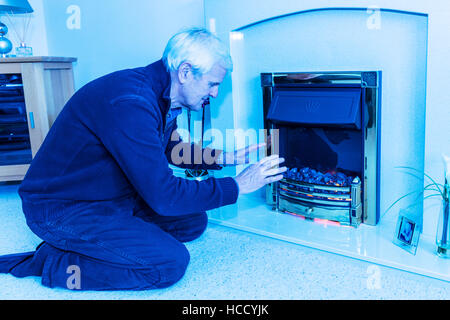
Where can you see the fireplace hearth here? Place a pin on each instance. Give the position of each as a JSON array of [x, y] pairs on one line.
[[327, 127]]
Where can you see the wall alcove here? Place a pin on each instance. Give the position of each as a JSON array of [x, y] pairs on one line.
[[346, 40]]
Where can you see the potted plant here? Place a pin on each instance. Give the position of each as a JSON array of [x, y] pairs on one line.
[[442, 191]]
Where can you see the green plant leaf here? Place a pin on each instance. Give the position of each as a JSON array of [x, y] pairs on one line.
[[401, 198], [429, 196], [433, 186], [426, 175], [427, 187], [432, 195]]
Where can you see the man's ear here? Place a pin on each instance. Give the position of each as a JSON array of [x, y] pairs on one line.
[[184, 72]]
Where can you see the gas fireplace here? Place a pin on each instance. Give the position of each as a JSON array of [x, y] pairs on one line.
[[327, 127]]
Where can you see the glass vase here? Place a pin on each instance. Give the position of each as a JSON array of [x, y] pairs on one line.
[[443, 232]]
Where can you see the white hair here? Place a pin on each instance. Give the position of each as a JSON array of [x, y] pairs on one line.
[[198, 47]]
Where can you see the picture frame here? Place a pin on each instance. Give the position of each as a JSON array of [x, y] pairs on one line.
[[407, 233]]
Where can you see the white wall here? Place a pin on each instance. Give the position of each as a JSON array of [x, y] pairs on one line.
[[319, 41], [110, 35], [115, 34]]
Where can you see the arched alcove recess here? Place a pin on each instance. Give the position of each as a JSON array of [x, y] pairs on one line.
[[345, 39]]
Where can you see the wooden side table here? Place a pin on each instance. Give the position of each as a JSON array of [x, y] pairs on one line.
[[47, 83]]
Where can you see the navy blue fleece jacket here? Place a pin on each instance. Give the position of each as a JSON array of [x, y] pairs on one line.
[[111, 140]]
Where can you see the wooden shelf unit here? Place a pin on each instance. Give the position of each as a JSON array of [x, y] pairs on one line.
[[48, 83]]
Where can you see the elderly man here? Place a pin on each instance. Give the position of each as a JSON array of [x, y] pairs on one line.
[[100, 192]]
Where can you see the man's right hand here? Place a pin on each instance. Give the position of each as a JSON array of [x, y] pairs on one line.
[[258, 175]]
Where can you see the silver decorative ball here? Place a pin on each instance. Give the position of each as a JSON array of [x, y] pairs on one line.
[[5, 46], [3, 29]]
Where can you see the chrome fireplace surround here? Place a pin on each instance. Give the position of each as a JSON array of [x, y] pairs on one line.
[[327, 127]]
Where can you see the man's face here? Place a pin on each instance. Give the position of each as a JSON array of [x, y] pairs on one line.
[[197, 90]]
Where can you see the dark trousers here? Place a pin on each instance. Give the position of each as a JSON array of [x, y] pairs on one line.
[[107, 245]]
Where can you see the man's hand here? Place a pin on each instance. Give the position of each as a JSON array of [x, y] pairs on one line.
[[241, 156], [258, 175]]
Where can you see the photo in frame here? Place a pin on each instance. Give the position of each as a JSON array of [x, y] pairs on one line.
[[407, 233]]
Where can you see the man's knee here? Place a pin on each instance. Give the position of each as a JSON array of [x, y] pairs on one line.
[[194, 229], [174, 268]]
